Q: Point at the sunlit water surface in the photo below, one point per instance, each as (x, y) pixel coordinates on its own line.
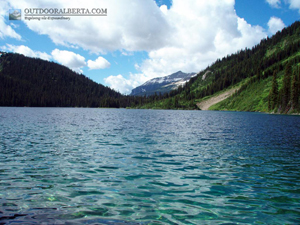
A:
(117, 166)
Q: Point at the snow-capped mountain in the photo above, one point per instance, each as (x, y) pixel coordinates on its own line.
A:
(162, 84)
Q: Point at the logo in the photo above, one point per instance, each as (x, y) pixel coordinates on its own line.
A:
(15, 14)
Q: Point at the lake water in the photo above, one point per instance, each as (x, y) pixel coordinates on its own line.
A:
(118, 166)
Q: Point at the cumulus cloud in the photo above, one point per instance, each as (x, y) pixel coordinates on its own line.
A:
(5, 29)
(294, 4)
(275, 24)
(99, 63)
(123, 85)
(200, 32)
(274, 3)
(22, 49)
(130, 24)
(70, 59)
(67, 58)
(188, 36)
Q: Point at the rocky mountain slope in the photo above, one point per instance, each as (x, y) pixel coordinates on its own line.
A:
(162, 84)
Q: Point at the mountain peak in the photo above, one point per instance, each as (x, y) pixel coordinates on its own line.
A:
(162, 84)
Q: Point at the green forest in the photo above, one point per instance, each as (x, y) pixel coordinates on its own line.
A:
(35, 82)
(267, 78)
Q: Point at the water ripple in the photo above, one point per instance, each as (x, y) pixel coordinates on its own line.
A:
(108, 166)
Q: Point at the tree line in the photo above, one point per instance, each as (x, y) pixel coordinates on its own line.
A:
(250, 65)
(34, 82)
(28, 81)
(286, 98)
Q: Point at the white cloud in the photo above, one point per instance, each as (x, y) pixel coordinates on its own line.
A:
(123, 85)
(189, 36)
(274, 3)
(275, 24)
(14, 25)
(70, 59)
(132, 25)
(202, 31)
(6, 30)
(294, 4)
(99, 63)
(21, 49)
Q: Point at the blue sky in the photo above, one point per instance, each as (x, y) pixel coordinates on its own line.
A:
(139, 40)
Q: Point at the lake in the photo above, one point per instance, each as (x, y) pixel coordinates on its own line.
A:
(118, 166)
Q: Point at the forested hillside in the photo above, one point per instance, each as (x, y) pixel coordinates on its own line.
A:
(266, 77)
(32, 82)
(276, 58)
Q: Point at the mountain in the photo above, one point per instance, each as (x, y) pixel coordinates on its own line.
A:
(26, 81)
(265, 78)
(15, 15)
(162, 84)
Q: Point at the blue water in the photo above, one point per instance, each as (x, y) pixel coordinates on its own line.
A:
(118, 166)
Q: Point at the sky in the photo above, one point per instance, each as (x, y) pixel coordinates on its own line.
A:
(142, 39)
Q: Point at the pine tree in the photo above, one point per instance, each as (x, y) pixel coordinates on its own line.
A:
(176, 103)
(258, 74)
(295, 91)
(286, 89)
(273, 96)
(169, 103)
(269, 99)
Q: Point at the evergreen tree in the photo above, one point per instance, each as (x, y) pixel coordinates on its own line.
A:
(295, 91)
(273, 96)
(269, 99)
(286, 89)
(258, 74)
(34, 82)
(176, 103)
(169, 103)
